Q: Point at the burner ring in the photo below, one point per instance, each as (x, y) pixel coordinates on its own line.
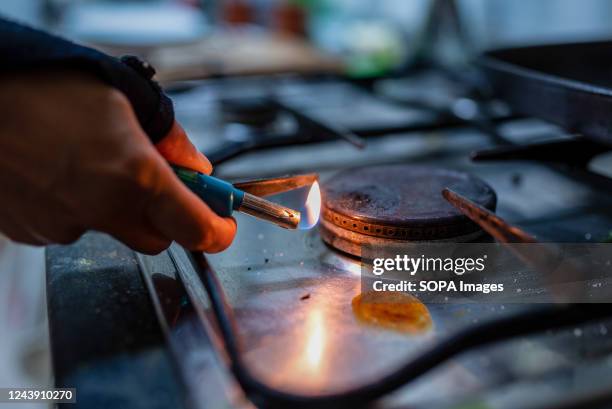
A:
(415, 233)
(350, 242)
(398, 203)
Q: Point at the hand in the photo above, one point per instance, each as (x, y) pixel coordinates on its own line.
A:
(177, 149)
(73, 157)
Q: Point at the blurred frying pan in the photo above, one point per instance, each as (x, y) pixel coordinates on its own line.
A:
(567, 84)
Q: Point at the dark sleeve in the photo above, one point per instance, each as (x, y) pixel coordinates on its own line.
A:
(22, 47)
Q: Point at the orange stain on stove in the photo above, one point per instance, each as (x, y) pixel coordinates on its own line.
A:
(392, 310)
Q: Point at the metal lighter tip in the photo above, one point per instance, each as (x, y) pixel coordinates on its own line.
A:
(272, 212)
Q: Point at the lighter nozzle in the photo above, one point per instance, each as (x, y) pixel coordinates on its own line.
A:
(272, 212)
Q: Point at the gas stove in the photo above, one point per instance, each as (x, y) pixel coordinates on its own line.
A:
(292, 291)
(536, 173)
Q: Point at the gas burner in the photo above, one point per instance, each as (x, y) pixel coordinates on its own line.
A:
(398, 203)
(255, 112)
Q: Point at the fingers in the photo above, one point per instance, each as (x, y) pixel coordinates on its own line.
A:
(144, 240)
(41, 234)
(18, 235)
(178, 213)
(14, 231)
(59, 228)
(63, 235)
(23, 221)
(177, 149)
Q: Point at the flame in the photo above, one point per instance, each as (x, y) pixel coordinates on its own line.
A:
(312, 208)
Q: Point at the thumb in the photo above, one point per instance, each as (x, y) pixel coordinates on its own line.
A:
(177, 149)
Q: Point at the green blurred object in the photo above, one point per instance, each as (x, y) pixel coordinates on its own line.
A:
(368, 37)
(374, 49)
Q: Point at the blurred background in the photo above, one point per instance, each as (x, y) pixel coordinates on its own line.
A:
(190, 39)
(367, 37)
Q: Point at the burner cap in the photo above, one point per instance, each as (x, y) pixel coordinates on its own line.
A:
(395, 203)
(257, 112)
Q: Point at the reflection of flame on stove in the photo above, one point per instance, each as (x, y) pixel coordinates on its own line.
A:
(315, 341)
(312, 208)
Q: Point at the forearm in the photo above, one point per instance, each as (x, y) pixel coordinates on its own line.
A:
(24, 48)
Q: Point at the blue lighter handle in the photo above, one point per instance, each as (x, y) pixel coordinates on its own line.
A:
(219, 195)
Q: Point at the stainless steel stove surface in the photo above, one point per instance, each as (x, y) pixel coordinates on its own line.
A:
(292, 294)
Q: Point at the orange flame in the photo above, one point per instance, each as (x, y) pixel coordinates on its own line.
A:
(312, 208)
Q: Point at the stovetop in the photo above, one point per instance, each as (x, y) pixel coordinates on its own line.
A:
(292, 294)
(568, 205)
